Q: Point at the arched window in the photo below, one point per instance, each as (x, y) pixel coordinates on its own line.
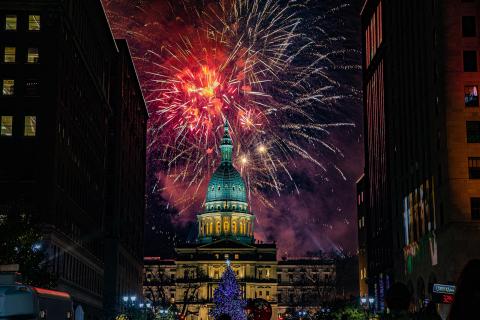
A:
(233, 188)
(234, 227)
(218, 187)
(217, 229)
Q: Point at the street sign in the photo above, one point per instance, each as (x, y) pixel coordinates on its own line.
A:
(443, 293)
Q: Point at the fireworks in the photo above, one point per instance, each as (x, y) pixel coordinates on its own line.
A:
(263, 66)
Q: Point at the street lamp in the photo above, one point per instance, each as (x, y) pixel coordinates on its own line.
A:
(367, 307)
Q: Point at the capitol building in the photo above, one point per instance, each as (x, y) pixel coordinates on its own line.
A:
(225, 232)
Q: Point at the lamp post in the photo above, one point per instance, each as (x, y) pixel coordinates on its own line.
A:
(367, 304)
(133, 309)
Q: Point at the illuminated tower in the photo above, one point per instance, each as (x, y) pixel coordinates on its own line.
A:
(226, 214)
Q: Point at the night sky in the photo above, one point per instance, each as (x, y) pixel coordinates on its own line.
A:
(318, 211)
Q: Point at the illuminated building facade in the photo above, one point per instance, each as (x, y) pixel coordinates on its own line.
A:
(305, 284)
(225, 232)
(420, 73)
(60, 144)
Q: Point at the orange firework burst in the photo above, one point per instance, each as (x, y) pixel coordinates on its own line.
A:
(248, 62)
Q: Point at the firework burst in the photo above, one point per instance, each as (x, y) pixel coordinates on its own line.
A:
(262, 65)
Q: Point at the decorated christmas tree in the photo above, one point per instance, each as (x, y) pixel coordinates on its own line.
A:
(228, 297)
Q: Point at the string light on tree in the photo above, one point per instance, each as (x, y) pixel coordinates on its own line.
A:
(228, 297)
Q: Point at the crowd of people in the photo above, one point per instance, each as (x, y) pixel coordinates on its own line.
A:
(464, 307)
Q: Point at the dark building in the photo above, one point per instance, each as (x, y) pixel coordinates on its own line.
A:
(362, 236)
(420, 73)
(66, 164)
(126, 183)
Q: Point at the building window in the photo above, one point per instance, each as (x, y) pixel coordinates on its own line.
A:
(32, 88)
(470, 61)
(475, 208)
(6, 126)
(11, 22)
(473, 131)
(30, 126)
(33, 22)
(8, 87)
(32, 55)
(469, 27)
(236, 256)
(9, 55)
(474, 167)
(471, 96)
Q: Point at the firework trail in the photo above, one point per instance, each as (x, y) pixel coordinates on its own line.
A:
(266, 67)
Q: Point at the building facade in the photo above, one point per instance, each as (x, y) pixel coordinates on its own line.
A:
(225, 232)
(305, 284)
(126, 183)
(58, 138)
(420, 73)
(362, 236)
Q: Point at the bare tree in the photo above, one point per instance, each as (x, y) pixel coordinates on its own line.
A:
(157, 287)
(192, 280)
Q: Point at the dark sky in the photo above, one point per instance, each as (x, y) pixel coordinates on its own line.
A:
(321, 214)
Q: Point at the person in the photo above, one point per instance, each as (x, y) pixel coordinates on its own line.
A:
(430, 313)
(467, 294)
(398, 299)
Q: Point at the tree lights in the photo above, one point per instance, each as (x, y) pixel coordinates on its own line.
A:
(228, 297)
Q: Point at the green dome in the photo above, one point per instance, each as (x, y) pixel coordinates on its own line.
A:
(226, 214)
(226, 184)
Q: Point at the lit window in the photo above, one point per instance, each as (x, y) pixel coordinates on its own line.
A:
(8, 87)
(473, 131)
(471, 96)
(32, 55)
(32, 88)
(33, 22)
(9, 55)
(236, 256)
(475, 208)
(469, 27)
(11, 22)
(30, 126)
(473, 167)
(6, 126)
(470, 61)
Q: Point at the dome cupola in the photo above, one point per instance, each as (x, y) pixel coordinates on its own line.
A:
(226, 213)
